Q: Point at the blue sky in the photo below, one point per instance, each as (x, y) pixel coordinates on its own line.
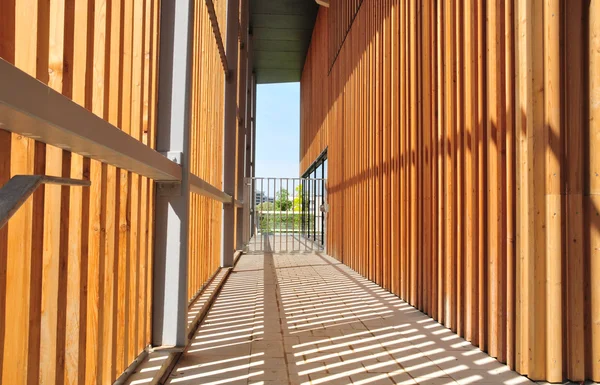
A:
(278, 130)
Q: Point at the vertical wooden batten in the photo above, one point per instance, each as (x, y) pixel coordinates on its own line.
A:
(491, 169)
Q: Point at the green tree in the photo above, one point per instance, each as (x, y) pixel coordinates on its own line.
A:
(298, 199)
(282, 200)
(265, 206)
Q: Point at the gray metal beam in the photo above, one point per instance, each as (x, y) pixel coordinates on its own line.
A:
(229, 130)
(248, 145)
(30, 108)
(253, 151)
(172, 204)
(201, 187)
(242, 107)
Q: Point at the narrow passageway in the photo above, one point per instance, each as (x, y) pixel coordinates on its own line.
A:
(308, 319)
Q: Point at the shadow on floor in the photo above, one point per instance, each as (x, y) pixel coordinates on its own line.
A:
(306, 319)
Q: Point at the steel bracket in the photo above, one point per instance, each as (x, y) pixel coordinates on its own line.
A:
(20, 187)
(174, 156)
(168, 189)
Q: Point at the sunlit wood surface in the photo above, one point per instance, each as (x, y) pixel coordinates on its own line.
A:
(462, 139)
(76, 265)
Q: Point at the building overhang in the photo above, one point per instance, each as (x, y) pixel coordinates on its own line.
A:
(281, 32)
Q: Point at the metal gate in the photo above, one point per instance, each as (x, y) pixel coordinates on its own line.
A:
(287, 215)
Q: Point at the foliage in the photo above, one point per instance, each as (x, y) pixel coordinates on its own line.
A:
(288, 222)
(298, 199)
(282, 201)
(265, 206)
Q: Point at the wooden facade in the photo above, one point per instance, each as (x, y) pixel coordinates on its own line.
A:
(208, 95)
(76, 264)
(462, 140)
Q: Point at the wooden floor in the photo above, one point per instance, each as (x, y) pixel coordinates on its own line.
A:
(307, 319)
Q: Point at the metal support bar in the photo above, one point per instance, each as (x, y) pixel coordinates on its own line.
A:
(169, 327)
(214, 22)
(229, 130)
(242, 107)
(201, 187)
(30, 108)
(253, 152)
(248, 145)
(20, 187)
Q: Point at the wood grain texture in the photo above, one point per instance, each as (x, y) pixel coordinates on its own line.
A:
(208, 81)
(480, 119)
(69, 263)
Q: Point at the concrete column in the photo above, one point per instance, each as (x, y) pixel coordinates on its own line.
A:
(229, 131)
(172, 200)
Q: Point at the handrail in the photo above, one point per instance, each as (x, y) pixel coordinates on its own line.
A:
(20, 187)
(30, 108)
(40, 113)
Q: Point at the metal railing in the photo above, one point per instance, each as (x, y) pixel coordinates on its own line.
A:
(287, 214)
(40, 113)
(30, 108)
(34, 110)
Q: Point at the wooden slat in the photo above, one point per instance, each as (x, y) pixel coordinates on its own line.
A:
(19, 239)
(123, 238)
(7, 41)
(575, 274)
(96, 239)
(553, 139)
(592, 197)
(470, 142)
(52, 219)
(75, 339)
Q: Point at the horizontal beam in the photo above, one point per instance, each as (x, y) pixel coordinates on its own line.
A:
(201, 187)
(30, 108)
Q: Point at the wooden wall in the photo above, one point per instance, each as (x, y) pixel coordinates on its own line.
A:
(314, 99)
(341, 19)
(75, 264)
(208, 96)
(462, 141)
